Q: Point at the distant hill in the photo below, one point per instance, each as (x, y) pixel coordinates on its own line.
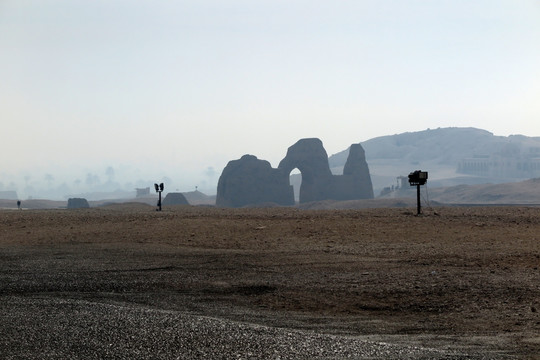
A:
(452, 156)
(522, 192)
(525, 192)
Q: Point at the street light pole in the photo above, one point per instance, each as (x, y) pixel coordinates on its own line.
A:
(418, 178)
(418, 206)
(159, 188)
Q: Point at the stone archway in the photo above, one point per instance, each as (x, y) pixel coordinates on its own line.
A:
(310, 158)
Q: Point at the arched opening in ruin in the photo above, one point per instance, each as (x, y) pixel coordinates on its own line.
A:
(295, 179)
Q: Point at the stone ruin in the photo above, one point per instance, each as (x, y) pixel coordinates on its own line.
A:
(250, 181)
(253, 182)
(77, 203)
(175, 198)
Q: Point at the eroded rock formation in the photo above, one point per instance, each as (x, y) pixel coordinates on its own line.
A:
(309, 156)
(250, 181)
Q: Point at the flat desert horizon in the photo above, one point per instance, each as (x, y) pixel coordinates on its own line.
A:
(124, 281)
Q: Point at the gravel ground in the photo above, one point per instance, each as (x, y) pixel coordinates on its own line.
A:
(125, 281)
(55, 328)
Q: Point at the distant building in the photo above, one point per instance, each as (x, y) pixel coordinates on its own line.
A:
(402, 182)
(143, 192)
(501, 167)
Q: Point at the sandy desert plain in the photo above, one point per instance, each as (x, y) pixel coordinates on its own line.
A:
(126, 282)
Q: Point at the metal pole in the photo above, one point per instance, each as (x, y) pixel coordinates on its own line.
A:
(418, 199)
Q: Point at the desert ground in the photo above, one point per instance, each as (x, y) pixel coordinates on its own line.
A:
(125, 281)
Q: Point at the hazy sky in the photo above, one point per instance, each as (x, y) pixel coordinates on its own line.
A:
(173, 88)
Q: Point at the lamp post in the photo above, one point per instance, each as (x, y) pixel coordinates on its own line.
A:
(159, 188)
(418, 178)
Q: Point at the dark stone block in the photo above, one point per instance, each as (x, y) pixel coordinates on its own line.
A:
(175, 199)
(77, 203)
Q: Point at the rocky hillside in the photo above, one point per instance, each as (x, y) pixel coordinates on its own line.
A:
(452, 156)
(522, 192)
